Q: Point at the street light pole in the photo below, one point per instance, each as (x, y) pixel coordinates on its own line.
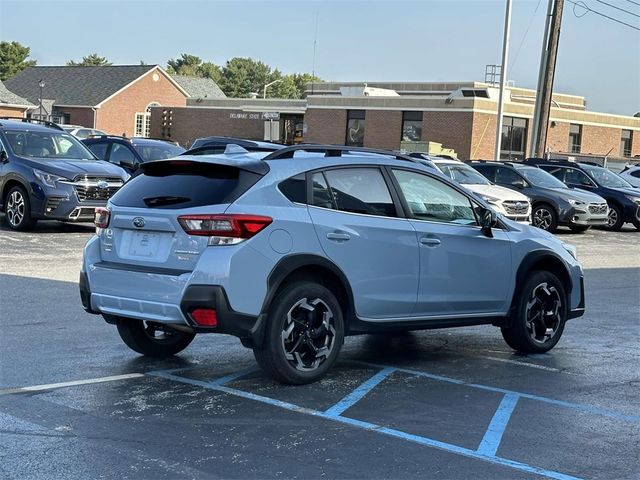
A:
(503, 80)
(41, 84)
(264, 90)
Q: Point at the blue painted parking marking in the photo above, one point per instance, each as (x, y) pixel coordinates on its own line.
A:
(359, 393)
(493, 436)
(575, 406)
(485, 452)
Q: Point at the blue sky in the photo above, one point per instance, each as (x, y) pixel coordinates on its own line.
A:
(375, 40)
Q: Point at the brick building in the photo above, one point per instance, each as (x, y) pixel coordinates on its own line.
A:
(12, 105)
(116, 98)
(461, 116)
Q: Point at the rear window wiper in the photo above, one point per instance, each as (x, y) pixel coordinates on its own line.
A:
(164, 200)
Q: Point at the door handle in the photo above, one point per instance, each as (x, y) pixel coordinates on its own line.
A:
(430, 241)
(338, 236)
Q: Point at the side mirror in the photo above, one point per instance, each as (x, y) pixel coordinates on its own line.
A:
(3, 157)
(128, 163)
(487, 221)
(520, 184)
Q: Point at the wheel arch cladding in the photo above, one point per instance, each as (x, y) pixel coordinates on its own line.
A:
(299, 267)
(12, 182)
(544, 260)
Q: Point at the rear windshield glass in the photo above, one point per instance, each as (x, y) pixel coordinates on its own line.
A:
(172, 185)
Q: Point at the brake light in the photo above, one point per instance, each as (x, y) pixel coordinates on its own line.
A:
(224, 229)
(102, 217)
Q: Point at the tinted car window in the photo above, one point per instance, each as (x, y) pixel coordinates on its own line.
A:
(506, 176)
(295, 188)
(99, 150)
(157, 152)
(606, 177)
(432, 200)
(83, 133)
(321, 194)
(635, 173)
(488, 171)
(576, 177)
(557, 172)
(120, 153)
(183, 186)
(360, 190)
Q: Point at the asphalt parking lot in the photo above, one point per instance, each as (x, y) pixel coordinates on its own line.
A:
(75, 402)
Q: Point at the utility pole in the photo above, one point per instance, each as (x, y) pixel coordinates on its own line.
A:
(503, 80)
(545, 79)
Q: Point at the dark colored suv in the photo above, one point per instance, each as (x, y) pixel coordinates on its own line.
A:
(553, 204)
(622, 197)
(129, 153)
(46, 173)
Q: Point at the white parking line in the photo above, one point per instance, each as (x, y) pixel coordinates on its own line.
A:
(72, 383)
(526, 364)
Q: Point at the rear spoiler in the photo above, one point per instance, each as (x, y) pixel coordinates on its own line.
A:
(247, 164)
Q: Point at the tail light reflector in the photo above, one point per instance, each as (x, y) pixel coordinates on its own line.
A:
(102, 217)
(205, 317)
(224, 229)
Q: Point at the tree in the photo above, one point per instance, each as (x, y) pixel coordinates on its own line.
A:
(91, 60)
(285, 89)
(193, 66)
(241, 76)
(13, 59)
(301, 80)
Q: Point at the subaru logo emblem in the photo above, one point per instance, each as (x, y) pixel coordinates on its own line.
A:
(138, 222)
(102, 184)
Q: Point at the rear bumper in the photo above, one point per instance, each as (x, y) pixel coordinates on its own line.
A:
(249, 328)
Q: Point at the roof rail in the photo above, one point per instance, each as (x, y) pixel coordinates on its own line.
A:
(46, 123)
(154, 138)
(336, 151)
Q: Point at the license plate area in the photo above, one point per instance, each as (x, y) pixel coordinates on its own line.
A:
(146, 245)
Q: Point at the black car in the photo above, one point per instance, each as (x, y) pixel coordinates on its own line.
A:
(216, 144)
(553, 204)
(622, 197)
(129, 153)
(46, 173)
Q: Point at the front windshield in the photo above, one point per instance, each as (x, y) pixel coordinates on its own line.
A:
(463, 174)
(49, 145)
(158, 152)
(539, 178)
(606, 178)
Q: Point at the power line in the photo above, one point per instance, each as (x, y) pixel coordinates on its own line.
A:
(515, 57)
(581, 4)
(618, 8)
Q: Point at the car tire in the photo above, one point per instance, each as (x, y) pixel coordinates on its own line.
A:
(615, 220)
(305, 331)
(17, 209)
(636, 223)
(579, 228)
(151, 339)
(544, 216)
(539, 316)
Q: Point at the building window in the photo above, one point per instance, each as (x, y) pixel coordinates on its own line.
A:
(514, 138)
(575, 138)
(355, 128)
(626, 140)
(411, 126)
(143, 121)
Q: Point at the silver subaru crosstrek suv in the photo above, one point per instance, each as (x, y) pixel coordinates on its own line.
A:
(294, 250)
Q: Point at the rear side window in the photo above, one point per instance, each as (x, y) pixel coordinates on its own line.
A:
(487, 171)
(295, 188)
(99, 150)
(172, 186)
(506, 176)
(360, 190)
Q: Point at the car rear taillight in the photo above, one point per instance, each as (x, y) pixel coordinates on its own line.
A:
(224, 229)
(102, 217)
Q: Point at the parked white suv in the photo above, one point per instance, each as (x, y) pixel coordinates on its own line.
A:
(511, 204)
(632, 175)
